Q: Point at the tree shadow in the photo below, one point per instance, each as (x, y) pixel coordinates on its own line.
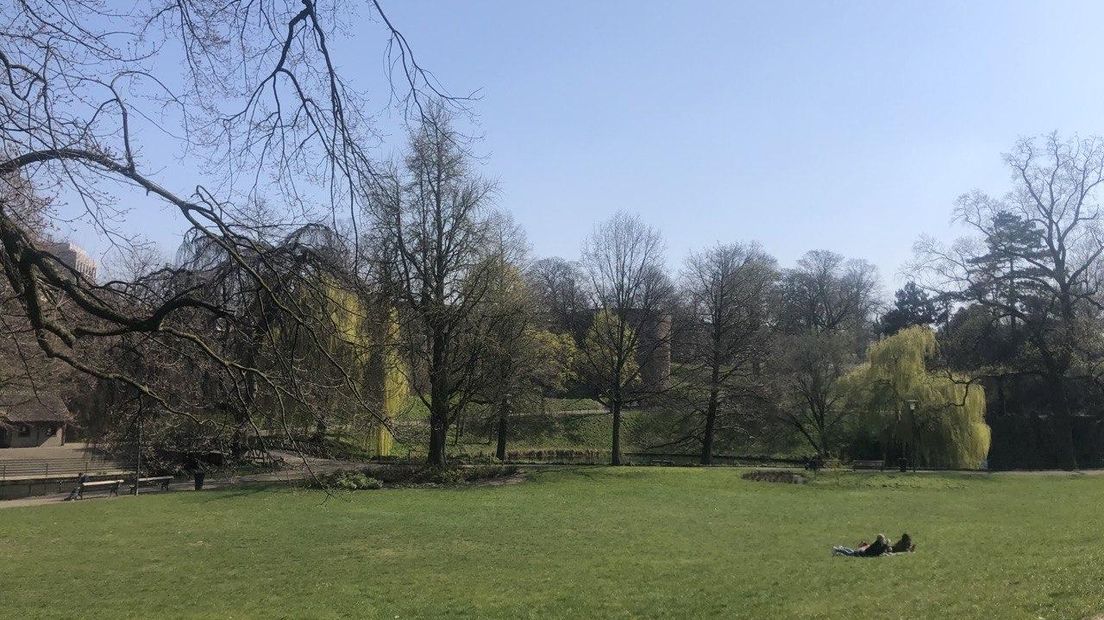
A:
(242, 490)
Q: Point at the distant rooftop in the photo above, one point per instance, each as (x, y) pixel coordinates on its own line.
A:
(33, 407)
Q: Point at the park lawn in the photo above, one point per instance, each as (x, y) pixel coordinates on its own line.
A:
(579, 542)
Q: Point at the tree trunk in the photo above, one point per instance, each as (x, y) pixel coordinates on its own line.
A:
(615, 455)
(438, 436)
(438, 399)
(458, 430)
(503, 413)
(710, 423)
(138, 451)
(821, 419)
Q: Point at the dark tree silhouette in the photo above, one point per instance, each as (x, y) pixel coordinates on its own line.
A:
(912, 306)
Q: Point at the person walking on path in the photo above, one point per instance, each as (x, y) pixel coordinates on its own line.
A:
(76, 492)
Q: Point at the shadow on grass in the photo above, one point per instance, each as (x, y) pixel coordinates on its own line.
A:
(540, 474)
(242, 490)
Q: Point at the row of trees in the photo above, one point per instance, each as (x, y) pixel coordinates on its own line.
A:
(317, 284)
(753, 346)
(326, 328)
(1016, 309)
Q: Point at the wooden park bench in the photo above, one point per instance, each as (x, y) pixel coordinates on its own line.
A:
(868, 465)
(161, 481)
(112, 487)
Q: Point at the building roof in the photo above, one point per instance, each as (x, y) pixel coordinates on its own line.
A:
(32, 407)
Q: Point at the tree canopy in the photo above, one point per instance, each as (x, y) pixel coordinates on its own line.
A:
(935, 418)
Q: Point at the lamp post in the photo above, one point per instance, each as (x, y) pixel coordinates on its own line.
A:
(912, 424)
(900, 439)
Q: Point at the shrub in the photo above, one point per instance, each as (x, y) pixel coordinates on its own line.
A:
(422, 474)
(347, 480)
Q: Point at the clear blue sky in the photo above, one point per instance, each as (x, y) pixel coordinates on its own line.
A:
(850, 126)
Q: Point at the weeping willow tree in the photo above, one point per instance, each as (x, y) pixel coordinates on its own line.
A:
(388, 383)
(314, 349)
(365, 343)
(357, 350)
(935, 419)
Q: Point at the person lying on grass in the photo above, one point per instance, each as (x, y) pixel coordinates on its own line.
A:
(880, 546)
(903, 545)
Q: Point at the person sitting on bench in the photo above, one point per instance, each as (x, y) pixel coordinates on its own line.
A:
(880, 546)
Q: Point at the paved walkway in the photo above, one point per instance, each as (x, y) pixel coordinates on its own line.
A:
(297, 469)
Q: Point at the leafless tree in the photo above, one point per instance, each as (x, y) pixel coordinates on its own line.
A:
(827, 308)
(23, 366)
(291, 372)
(623, 260)
(520, 358)
(826, 292)
(728, 289)
(561, 287)
(248, 90)
(434, 213)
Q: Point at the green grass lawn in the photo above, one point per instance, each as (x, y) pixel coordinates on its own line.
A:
(586, 542)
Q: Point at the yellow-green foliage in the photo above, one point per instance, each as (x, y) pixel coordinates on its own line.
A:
(366, 340)
(610, 354)
(945, 424)
(554, 355)
(395, 388)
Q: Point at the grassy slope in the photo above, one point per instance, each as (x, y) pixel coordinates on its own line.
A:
(640, 430)
(585, 542)
(570, 432)
(579, 432)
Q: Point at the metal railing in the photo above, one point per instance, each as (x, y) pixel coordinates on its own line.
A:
(23, 469)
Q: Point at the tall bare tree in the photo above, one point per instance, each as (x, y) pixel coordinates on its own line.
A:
(728, 289)
(624, 262)
(522, 359)
(434, 214)
(825, 322)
